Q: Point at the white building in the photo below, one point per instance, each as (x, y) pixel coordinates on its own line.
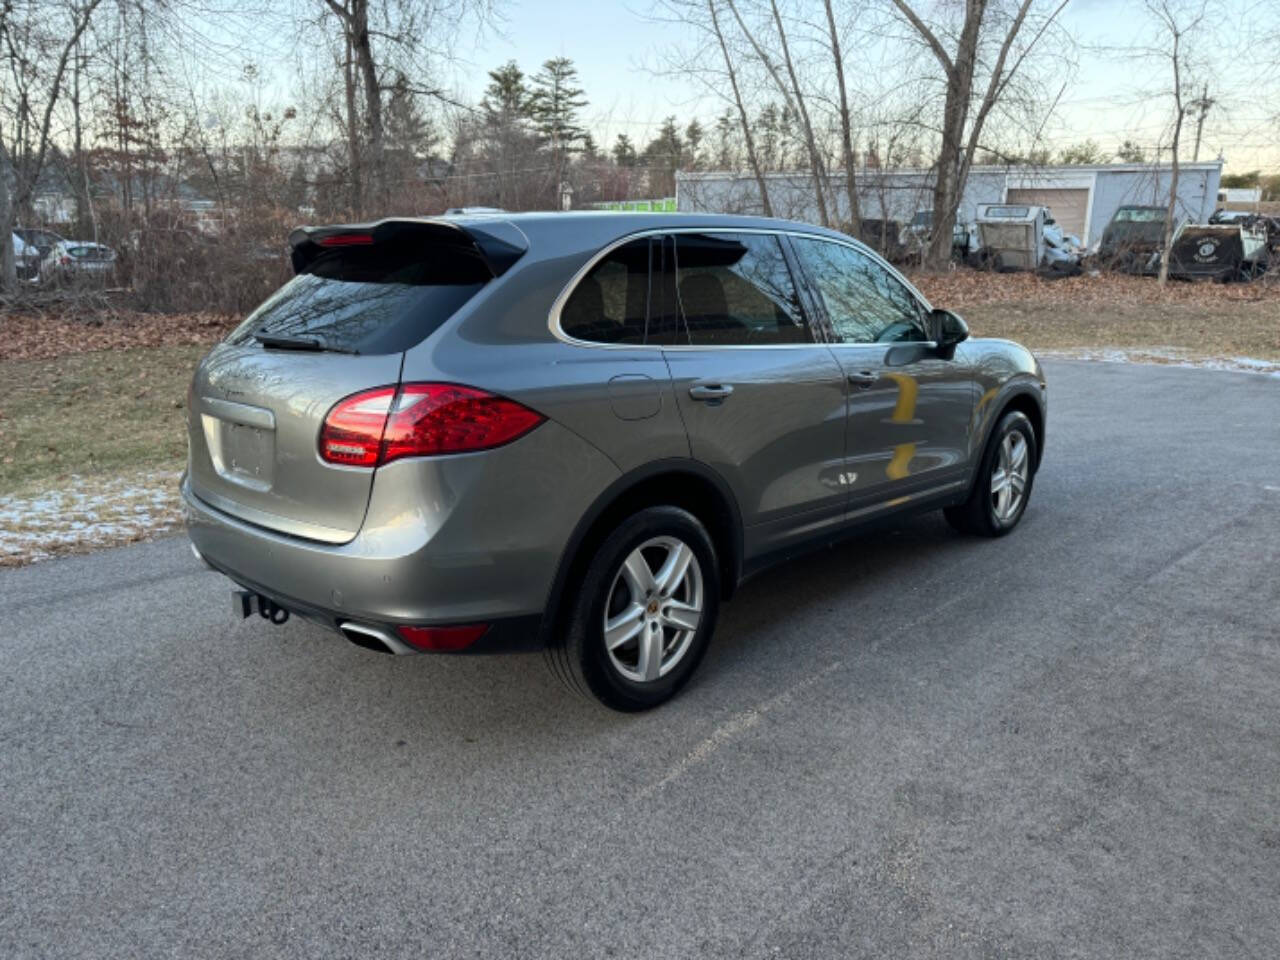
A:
(1239, 195)
(1082, 198)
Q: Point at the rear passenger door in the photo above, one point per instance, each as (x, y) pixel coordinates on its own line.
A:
(763, 403)
(909, 406)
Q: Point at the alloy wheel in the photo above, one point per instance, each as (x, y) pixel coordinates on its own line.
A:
(1009, 476)
(654, 607)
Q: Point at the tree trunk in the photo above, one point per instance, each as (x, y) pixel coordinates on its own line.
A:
(354, 166)
(846, 137)
(752, 158)
(372, 100)
(815, 158)
(1167, 247)
(948, 185)
(8, 219)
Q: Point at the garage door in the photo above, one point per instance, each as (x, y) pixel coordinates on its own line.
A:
(1069, 206)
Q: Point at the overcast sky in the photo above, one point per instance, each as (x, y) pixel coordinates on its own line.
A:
(616, 48)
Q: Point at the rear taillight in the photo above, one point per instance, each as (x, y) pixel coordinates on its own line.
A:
(420, 420)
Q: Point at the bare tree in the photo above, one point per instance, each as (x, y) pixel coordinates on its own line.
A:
(959, 67)
(39, 40)
(409, 34)
(846, 136)
(791, 95)
(1175, 21)
(752, 158)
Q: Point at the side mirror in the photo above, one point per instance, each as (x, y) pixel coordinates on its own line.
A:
(948, 330)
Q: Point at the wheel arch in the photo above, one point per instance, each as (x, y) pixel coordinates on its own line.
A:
(682, 483)
(1026, 402)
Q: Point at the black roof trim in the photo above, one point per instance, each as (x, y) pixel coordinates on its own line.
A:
(499, 243)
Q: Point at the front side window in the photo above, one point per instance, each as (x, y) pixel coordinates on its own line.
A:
(734, 289)
(610, 303)
(865, 303)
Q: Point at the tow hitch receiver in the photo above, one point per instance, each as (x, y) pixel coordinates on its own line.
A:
(245, 603)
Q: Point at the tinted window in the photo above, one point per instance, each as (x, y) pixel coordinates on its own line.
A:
(371, 299)
(734, 289)
(864, 302)
(1008, 213)
(609, 304)
(1140, 214)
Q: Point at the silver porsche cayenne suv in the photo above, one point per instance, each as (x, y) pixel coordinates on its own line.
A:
(580, 433)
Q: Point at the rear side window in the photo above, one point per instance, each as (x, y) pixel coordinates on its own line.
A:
(610, 303)
(734, 289)
(371, 299)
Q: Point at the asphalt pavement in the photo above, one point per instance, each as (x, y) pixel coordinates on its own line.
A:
(1065, 743)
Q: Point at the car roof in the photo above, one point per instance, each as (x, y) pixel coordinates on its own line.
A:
(582, 230)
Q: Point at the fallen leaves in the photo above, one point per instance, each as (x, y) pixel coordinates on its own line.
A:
(44, 336)
(966, 288)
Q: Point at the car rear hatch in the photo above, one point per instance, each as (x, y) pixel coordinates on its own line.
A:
(361, 297)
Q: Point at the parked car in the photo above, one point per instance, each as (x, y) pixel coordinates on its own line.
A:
(43, 240)
(581, 433)
(26, 258)
(75, 261)
(1020, 236)
(1134, 238)
(917, 234)
(1220, 251)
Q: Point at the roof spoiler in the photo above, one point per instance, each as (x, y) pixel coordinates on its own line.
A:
(499, 243)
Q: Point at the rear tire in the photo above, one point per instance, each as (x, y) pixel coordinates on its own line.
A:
(1003, 486)
(644, 611)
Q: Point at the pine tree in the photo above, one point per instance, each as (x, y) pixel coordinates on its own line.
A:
(693, 137)
(624, 151)
(664, 155)
(555, 103)
(510, 144)
(507, 98)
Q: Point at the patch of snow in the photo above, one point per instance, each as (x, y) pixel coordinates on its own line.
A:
(1166, 357)
(86, 512)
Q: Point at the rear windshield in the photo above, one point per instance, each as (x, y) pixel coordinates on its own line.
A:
(1140, 214)
(372, 299)
(1008, 213)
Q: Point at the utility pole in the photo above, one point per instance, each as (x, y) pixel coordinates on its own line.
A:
(1202, 104)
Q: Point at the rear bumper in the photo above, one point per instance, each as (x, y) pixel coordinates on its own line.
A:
(466, 539)
(522, 634)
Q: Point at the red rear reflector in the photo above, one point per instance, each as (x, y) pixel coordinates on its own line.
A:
(346, 240)
(420, 420)
(443, 638)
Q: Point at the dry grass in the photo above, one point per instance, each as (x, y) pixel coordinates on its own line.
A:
(1202, 319)
(106, 413)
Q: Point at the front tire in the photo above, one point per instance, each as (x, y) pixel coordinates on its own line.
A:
(644, 611)
(1003, 486)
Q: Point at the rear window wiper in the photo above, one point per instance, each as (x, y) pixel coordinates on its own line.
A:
(297, 343)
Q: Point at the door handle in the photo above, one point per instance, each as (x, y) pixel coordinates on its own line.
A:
(710, 391)
(863, 378)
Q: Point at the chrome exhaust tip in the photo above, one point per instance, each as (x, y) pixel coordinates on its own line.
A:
(374, 638)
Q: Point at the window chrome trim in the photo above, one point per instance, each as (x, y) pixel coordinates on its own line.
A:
(553, 318)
